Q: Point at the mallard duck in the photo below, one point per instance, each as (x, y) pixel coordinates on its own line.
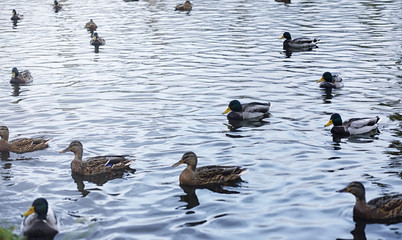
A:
(95, 165)
(206, 175)
(298, 42)
(187, 6)
(40, 221)
(91, 26)
(97, 41)
(56, 6)
(20, 77)
(381, 209)
(352, 126)
(15, 16)
(251, 110)
(331, 81)
(20, 145)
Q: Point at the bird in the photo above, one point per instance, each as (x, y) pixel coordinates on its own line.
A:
(251, 110)
(331, 81)
(352, 126)
(20, 77)
(187, 6)
(95, 165)
(382, 209)
(91, 26)
(212, 174)
(56, 6)
(40, 222)
(15, 16)
(97, 41)
(20, 145)
(298, 43)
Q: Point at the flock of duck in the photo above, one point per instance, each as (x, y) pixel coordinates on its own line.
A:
(40, 220)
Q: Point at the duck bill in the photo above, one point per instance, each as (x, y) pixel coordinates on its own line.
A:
(328, 123)
(65, 150)
(177, 164)
(13, 74)
(227, 110)
(282, 37)
(343, 190)
(29, 212)
(322, 79)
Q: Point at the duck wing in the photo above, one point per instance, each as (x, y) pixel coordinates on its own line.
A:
(391, 206)
(22, 145)
(102, 164)
(218, 174)
(256, 107)
(361, 125)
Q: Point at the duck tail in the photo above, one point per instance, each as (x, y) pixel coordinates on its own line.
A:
(242, 171)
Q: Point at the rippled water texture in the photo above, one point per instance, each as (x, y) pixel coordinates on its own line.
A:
(157, 89)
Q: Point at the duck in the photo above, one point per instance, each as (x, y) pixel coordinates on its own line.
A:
(91, 26)
(56, 6)
(95, 165)
(40, 222)
(253, 110)
(187, 6)
(20, 145)
(382, 209)
(97, 41)
(298, 42)
(331, 81)
(206, 175)
(20, 77)
(353, 126)
(15, 16)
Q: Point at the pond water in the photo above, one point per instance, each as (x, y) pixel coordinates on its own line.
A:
(158, 88)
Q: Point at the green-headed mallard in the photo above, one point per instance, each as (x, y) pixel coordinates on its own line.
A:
(20, 77)
(91, 26)
(381, 209)
(352, 126)
(206, 175)
(15, 16)
(56, 6)
(40, 221)
(301, 43)
(331, 81)
(20, 145)
(187, 6)
(97, 41)
(253, 110)
(95, 165)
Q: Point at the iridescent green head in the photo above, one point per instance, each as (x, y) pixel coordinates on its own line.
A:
(327, 76)
(286, 35)
(15, 72)
(235, 106)
(335, 119)
(40, 207)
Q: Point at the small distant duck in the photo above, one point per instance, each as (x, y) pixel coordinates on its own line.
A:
(382, 209)
(206, 175)
(331, 81)
(20, 145)
(91, 26)
(97, 41)
(40, 222)
(20, 77)
(352, 126)
(251, 110)
(187, 6)
(95, 165)
(56, 6)
(15, 16)
(298, 43)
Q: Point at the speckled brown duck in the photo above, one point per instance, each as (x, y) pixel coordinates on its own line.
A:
(186, 6)
(206, 175)
(91, 26)
(95, 165)
(382, 209)
(20, 145)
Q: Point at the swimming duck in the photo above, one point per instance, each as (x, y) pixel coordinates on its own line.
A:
(15, 16)
(56, 6)
(331, 81)
(20, 145)
(91, 26)
(206, 175)
(352, 126)
(20, 77)
(381, 209)
(95, 165)
(187, 6)
(97, 41)
(40, 221)
(298, 42)
(251, 110)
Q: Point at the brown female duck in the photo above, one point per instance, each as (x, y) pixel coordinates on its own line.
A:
(91, 26)
(20, 145)
(206, 175)
(20, 77)
(187, 6)
(382, 209)
(95, 165)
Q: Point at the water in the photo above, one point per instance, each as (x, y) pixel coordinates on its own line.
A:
(157, 89)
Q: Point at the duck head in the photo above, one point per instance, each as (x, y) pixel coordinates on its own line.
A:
(355, 188)
(40, 207)
(335, 119)
(286, 35)
(234, 105)
(188, 158)
(327, 76)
